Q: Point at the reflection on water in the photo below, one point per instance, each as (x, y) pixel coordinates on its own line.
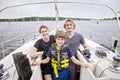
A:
(22, 31)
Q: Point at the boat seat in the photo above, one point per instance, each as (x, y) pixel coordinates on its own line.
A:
(22, 65)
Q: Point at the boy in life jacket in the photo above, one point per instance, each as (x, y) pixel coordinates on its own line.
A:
(59, 54)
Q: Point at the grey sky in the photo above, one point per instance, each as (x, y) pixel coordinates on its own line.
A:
(72, 10)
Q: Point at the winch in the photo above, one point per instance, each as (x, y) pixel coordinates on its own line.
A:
(4, 74)
(115, 66)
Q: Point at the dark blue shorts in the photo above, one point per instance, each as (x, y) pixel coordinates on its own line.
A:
(63, 74)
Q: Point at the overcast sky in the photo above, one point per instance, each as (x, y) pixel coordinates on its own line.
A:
(65, 10)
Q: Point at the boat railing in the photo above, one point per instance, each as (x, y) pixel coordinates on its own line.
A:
(10, 45)
(104, 40)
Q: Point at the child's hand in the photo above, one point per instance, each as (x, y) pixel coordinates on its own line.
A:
(86, 65)
(36, 63)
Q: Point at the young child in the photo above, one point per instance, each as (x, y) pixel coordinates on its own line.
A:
(59, 54)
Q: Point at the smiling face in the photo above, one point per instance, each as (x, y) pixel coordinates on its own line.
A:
(60, 38)
(44, 31)
(60, 41)
(69, 25)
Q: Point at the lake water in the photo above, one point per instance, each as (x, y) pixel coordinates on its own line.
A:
(20, 32)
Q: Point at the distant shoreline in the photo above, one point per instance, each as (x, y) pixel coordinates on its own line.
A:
(50, 19)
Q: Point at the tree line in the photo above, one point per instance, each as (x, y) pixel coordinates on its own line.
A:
(39, 19)
(48, 19)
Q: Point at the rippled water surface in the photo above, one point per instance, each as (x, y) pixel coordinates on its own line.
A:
(14, 34)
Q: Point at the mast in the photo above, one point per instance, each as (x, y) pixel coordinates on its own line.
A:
(56, 15)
